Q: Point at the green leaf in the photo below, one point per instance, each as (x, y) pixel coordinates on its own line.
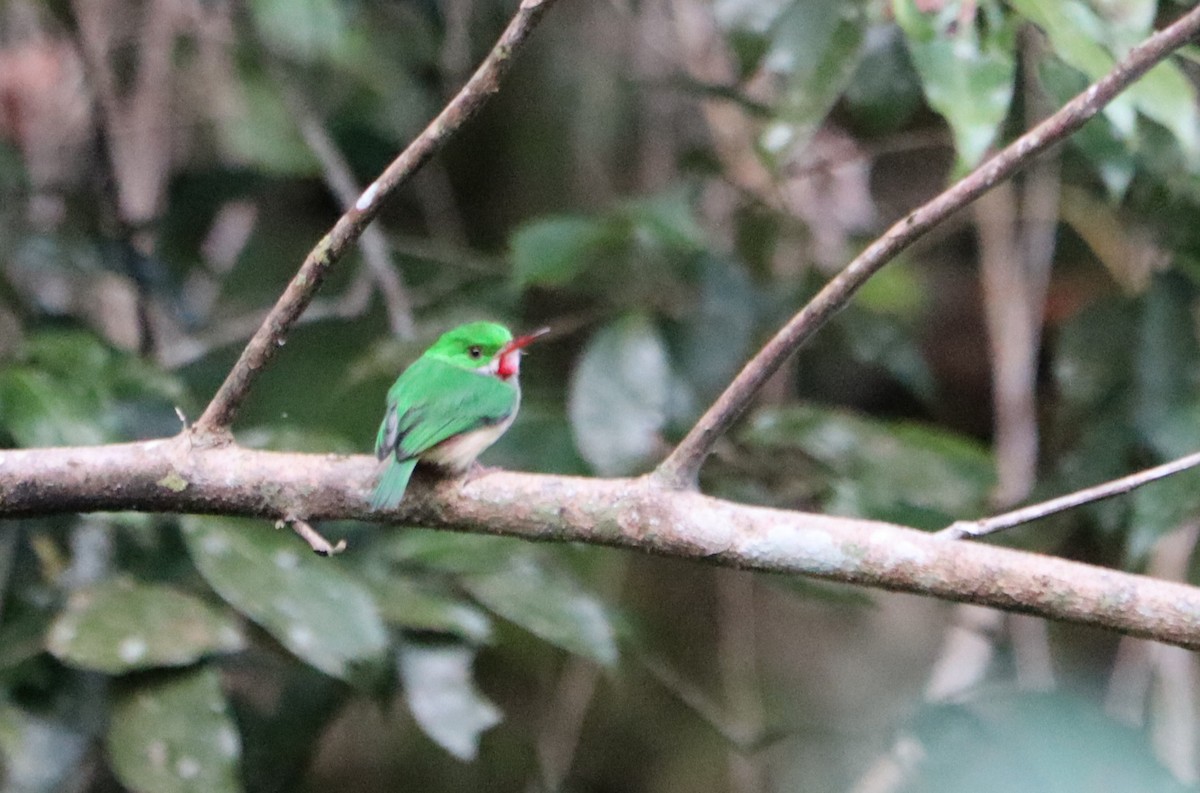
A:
(409, 603)
(1097, 139)
(37, 755)
(264, 134)
(1085, 41)
(516, 582)
(967, 76)
(1167, 357)
(713, 340)
(448, 551)
(38, 410)
(71, 389)
(443, 699)
(1100, 452)
(121, 625)
(815, 47)
(553, 250)
(879, 340)
(1094, 359)
(1165, 95)
(69, 353)
(1075, 34)
(1066, 744)
(173, 734)
(757, 16)
(303, 29)
(666, 221)
(885, 92)
(1127, 21)
(548, 604)
(620, 396)
(307, 602)
(899, 471)
(1160, 508)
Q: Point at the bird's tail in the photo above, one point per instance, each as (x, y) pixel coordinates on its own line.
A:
(392, 484)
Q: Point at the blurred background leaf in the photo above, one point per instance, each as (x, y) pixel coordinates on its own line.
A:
(173, 732)
(967, 73)
(309, 605)
(120, 626)
(437, 680)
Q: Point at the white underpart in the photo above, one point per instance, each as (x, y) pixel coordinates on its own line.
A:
(459, 452)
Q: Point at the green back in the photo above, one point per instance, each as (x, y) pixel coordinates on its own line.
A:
(440, 395)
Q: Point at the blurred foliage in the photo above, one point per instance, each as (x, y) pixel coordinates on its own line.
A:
(664, 184)
(1062, 743)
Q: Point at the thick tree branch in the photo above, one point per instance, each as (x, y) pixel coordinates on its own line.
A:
(214, 422)
(174, 475)
(681, 468)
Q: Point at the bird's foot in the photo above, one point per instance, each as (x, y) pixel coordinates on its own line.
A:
(477, 471)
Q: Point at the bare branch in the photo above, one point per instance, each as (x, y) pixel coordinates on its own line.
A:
(314, 538)
(219, 414)
(174, 475)
(681, 468)
(980, 528)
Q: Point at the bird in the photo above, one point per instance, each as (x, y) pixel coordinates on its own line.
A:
(449, 405)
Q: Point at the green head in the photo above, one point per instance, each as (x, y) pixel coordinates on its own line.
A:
(482, 345)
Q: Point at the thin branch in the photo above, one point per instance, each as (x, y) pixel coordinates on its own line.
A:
(177, 475)
(314, 538)
(682, 466)
(261, 349)
(980, 528)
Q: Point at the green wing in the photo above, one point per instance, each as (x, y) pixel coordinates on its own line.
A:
(433, 401)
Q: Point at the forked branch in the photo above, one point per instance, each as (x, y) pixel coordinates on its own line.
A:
(214, 423)
(682, 466)
(175, 476)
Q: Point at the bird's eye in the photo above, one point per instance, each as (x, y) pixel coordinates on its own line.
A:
(474, 351)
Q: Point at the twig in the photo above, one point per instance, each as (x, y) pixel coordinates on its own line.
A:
(340, 179)
(682, 466)
(314, 538)
(980, 528)
(271, 334)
